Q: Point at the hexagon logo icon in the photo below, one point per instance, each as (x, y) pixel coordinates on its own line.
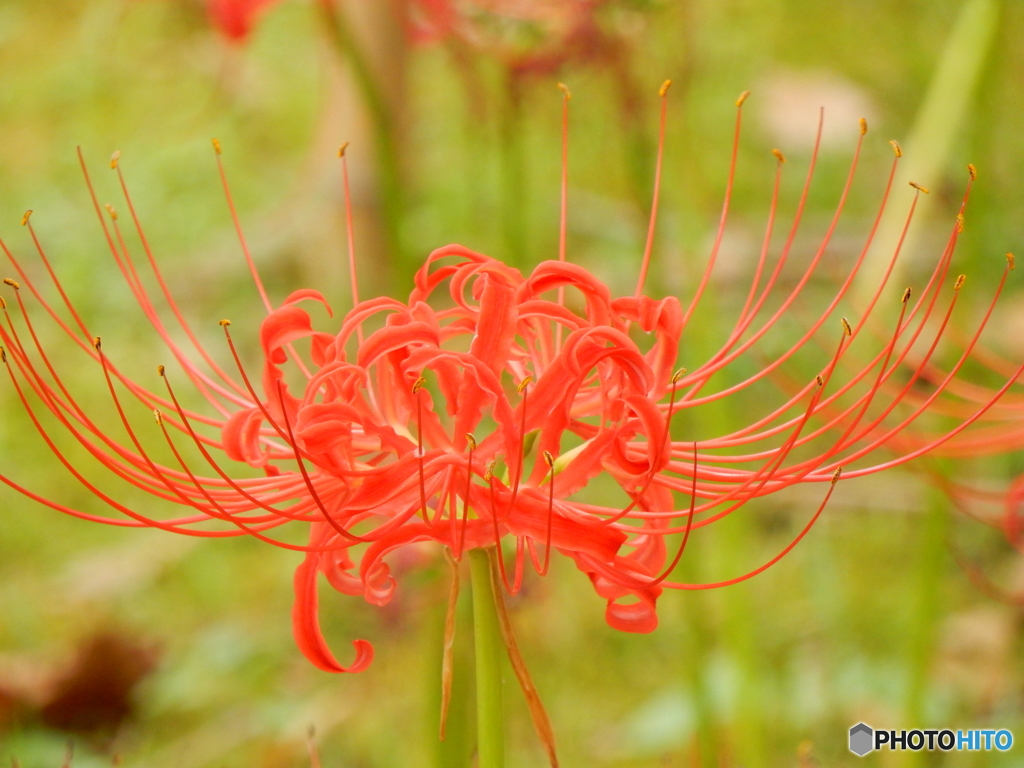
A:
(861, 739)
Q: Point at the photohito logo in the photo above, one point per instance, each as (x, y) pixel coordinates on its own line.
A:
(865, 739)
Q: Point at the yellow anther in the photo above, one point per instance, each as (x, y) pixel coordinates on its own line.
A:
(3, 355)
(342, 148)
(3, 303)
(973, 171)
(959, 223)
(524, 384)
(678, 375)
(863, 126)
(821, 381)
(158, 416)
(565, 91)
(664, 88)
(1009, 259)
(111, 210)
(114, 158)
(959, 282)
(13, 283)
(471, 440)
(549, 460)
(418, 384)
(836, 474)
(216, 145)
(906, 295)
(161, 370)
(846, 327)
(224, 323)
(489, 470)
(778, 155)
(918, 187)
(896, 147)
(25, 218)
(96, 343)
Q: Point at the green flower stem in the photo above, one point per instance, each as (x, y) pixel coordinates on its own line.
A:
(489, 648)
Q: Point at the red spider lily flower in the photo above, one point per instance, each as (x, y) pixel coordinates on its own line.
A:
(235, 18)
(480, 408)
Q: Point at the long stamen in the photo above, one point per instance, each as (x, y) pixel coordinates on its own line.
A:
(350, 236)
(522, 389)
(416, 387)
(713, 257)
(563, 199)
(238, 227)
(469, 487)
(649, 245)
(517, 579)
(689, 524)
(550, 461)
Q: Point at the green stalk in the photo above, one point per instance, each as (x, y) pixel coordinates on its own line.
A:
(489, 647)
(940, 118)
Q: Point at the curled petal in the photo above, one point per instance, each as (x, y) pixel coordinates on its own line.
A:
(306, 623)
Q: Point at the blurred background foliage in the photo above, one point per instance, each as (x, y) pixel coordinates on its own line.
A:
(873, 617)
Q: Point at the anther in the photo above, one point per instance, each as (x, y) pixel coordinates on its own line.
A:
(489, 470)
(1009, 259)
(161, 370)
(918, 187)
(3, 355)
(96, 343)
(846, 327)
(778, 155)
(216, 145)
(664, 88)
(342, 148)
(114, 158)
(863, 126)
(821, 381)
(568, 95)
(959, 223)
(896, 148)
(973, 171)
(224, 323)
(471, 440)
(418, 384)
(524, 384)
(3, 303)
(742, 98)
(111, 210)
(959, 282)
(13, 283)
(25, 218)
(549, 460)
(906, 295)
(158, 416)
(678, 375)
(836, 474)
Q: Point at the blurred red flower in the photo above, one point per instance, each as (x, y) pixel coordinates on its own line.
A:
(235, 18)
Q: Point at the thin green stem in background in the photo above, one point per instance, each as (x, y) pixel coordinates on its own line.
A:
(384, 125)
(489, 648)
(939, 120)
